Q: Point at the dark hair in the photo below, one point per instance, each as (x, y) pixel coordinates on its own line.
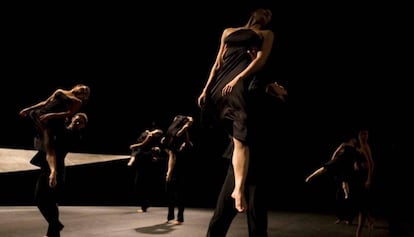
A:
(256, 17)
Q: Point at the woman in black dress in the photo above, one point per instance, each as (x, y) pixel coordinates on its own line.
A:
(243, 52)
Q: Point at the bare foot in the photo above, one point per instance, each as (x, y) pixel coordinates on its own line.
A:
(177, 223)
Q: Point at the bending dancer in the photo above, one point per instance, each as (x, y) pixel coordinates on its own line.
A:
(243, 52)
(177, 144)
(341, 167)
(143, 155)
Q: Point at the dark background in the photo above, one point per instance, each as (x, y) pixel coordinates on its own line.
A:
(342, 63)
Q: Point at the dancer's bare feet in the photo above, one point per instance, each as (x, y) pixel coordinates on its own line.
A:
(141, 211)
(177, 222)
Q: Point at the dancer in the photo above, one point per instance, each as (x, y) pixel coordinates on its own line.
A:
(47, 196)
(143, 155)
(178, 145)
(242, 54)
(49, 117)
(341, 167)
(364, 169)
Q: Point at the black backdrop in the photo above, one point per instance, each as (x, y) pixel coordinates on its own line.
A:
(340, 62)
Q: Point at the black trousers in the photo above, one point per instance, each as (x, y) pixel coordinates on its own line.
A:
(142, 187)
(344, 208)
(46, 199)
(174, 192)
(225, 210)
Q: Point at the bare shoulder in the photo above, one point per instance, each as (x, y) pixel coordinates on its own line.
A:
(267, 34)
(230, 30)
(59, 91)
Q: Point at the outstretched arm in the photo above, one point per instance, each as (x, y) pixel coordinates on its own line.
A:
(316, 173)
(26, 110)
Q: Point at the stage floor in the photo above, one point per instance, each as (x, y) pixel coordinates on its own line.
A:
(17, 160)
(124, 221)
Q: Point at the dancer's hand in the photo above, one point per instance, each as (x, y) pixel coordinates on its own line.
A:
(168, 177)
(240, 201)
(229, 87)
(24, 112)
(201, 99)
(52, 180)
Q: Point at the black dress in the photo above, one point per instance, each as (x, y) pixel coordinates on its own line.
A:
(231, 110)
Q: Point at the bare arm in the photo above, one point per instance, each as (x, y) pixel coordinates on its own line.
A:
(171, 164)
(147, 138)
(186, 125)
(316, 173)
(73, 109)
(370, 164)
(214, 68)
(51, 161)
(337, 150)
(26, 110)
(345, 188)
(262, 55)
(135, 145)
(256, 64)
